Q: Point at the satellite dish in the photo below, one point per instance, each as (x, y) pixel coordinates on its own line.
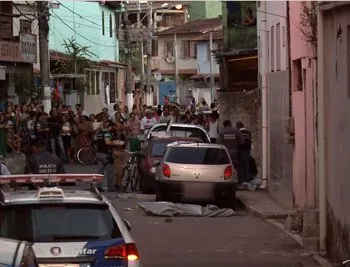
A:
(158, 76)
(158, 18)
(170, 60)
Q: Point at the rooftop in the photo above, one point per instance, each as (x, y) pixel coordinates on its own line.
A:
(202, 26)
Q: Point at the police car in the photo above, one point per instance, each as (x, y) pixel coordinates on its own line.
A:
(14, 253)
(67, 227)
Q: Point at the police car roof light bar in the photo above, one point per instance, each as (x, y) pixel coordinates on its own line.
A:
(53, 178)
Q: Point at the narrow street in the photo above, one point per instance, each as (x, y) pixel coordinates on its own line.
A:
(242, 240)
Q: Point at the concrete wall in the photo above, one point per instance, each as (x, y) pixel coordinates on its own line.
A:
(244, 107)
(203, 60)
(204, 9)
(337, 46)
(83, 21)
(303, 111)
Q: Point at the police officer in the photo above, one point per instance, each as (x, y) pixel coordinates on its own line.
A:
(104, 156)
(244, 174)
(231, 138)
(41, 161)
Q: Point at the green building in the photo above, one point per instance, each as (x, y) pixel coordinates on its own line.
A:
(204, 9)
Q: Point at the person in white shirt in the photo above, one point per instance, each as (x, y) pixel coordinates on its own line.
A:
(148, 121)
(214, 126)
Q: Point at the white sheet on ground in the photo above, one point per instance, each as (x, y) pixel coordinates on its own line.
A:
(169, 209)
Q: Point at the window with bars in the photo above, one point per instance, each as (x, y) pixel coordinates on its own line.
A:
(25, 26)
(93, 82)
(154, 48)
(110, 79)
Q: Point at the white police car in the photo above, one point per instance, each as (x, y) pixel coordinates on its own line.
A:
(14, 253)
(74, 228)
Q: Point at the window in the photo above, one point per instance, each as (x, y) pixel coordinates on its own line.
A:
(112, 87)
(103, 23)
(197, 155)
(278, 47)
(169, 49)
(110, 26)
(272, 51)
(158, 149)
(53, 223)
(184, 132)
(154, 48)
(93, 82)
(189, 49)
(25, 26)
(297, 75)
(283, 37)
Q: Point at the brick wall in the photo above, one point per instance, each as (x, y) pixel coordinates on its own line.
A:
(244, 107)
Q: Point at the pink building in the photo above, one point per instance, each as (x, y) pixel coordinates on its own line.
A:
(303, 85)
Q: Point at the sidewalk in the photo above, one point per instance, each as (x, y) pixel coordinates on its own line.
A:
(262, 205)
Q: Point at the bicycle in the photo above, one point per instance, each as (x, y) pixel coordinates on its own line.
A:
(87, 155)
(130, 172)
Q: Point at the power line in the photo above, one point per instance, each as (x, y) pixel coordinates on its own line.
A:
(80, 16)
(82, 36)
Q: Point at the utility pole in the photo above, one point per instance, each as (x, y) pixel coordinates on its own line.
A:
(43, 21)
(142, 67)
(149, 55)
(212, 78)
(127, 50)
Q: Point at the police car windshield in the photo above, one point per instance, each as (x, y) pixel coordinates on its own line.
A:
(58, 223)
(197, 155)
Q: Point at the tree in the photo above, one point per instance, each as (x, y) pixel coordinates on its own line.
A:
(76, 61)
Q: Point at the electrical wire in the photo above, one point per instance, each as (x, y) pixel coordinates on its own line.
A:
(80, 16)
(82, 36)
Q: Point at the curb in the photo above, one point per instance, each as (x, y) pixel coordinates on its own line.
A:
(257, 213)
(271, 219)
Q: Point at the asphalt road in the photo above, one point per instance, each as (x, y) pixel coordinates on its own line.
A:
(242, 240)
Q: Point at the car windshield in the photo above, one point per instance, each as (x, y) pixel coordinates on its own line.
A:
(159, 148)
(58, 223)
(197, 155)
(176, 131)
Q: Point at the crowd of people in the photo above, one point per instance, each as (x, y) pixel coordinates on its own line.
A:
(64, 131)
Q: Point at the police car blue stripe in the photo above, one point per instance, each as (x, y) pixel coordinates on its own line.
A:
(98, 248)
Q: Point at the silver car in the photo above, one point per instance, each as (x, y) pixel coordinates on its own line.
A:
(67, 227)
(193, 171)
(14, 253)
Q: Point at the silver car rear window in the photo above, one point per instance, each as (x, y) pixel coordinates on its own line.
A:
(197, 155)
(58, 222)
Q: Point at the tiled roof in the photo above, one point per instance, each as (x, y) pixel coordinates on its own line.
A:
(217, 35)
(195, 26)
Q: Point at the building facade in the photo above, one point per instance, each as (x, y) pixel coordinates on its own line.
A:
(204, 9)
(92, 25)
(18, 45)
(238, 96)
(333, 40)
(184, 58)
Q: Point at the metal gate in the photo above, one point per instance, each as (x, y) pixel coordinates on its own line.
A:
(281, 152)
